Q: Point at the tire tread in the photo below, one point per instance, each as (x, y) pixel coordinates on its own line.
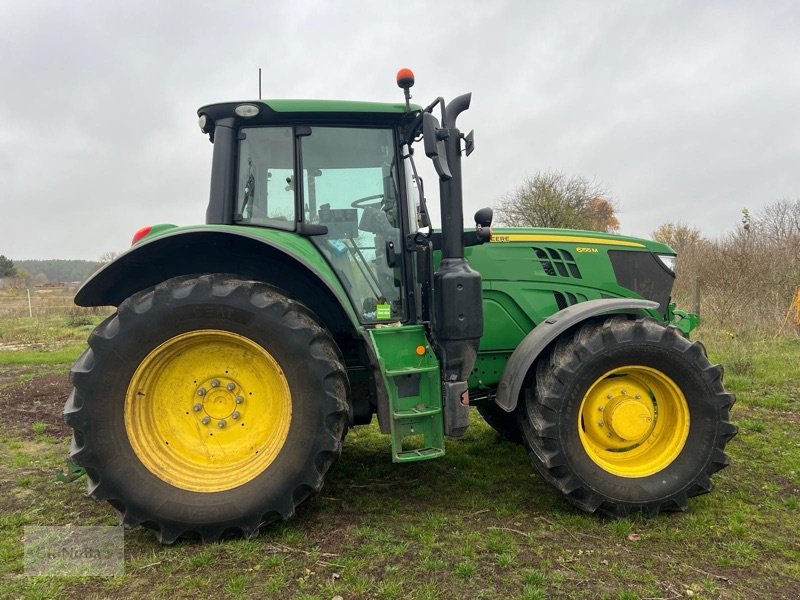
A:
(538, 411)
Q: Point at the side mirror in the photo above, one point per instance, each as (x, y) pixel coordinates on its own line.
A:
(435, 148)
(469, 142)
(483, 218)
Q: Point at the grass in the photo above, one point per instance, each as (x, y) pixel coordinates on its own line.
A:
(478, 523)
(50, 340)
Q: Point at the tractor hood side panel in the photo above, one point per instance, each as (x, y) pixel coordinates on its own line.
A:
(530, 274)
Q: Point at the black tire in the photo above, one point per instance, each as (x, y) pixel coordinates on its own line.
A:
(550, 414)
(305, 355)
(504, 423)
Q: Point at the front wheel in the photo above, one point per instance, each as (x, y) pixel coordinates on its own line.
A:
(206, 406)
(627, 415)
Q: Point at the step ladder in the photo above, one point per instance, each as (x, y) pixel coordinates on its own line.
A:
(410, 374)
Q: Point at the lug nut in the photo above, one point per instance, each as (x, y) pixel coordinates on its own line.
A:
(201, 392)
(206, 420)
(235, 415)
(599, 423)
(197, 407)
(608, 434)
(221, 423)
(623, 391)
(239, 399)
(638, 396)
(609, 396)
(600, 408)
(214, 382)
(231, 386)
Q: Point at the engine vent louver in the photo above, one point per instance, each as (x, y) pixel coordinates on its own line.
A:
(557, 263)
(565, 299)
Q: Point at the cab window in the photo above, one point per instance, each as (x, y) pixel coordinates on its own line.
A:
(265, 192)
(350, 186)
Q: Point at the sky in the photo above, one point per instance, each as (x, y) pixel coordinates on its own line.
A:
(684, 111)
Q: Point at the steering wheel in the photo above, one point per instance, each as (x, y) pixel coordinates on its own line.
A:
(377, 200)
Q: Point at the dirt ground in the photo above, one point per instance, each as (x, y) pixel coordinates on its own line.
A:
(40, 399)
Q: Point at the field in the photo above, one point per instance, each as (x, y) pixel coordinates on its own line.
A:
(476, 524)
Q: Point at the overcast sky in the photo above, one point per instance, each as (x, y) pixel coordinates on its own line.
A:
(685, 111)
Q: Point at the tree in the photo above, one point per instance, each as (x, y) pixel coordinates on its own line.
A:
(780, 221)
(600, 213)
(551, 199)
(679, 236)
(22, 278)
(7, 268)
(109, 256)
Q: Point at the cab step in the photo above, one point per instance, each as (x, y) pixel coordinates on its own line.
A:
(411, 376)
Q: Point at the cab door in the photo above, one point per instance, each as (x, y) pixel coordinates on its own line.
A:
(350, 185)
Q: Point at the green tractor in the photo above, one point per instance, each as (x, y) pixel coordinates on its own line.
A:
(217, 398)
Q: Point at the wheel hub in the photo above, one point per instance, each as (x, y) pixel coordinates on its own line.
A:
(629, 419)
(220, 398)
(633, 421)
(208, 410)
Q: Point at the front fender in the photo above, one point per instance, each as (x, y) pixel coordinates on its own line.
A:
(541, 336)
(283, 259)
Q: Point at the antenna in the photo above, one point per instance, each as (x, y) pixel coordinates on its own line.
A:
(259, 83)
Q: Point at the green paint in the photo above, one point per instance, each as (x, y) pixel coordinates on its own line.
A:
(337, 106)
(682, 319)
(518, 293)
(414, 389)
(296, 246)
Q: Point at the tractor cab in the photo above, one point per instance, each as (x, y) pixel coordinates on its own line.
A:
(341, 174)
(332, 172)
(344, 190)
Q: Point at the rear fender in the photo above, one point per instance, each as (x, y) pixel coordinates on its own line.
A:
(541, 336)
(290, 264)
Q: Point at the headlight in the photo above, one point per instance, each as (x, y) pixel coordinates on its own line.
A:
(246, 110)
(669, 261)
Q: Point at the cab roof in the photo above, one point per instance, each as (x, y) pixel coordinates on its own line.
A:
(305, 110)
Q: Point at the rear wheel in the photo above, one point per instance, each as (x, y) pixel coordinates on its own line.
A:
(627, 415)
(208, 406)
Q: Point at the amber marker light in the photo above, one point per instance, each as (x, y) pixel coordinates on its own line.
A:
(405, 78)
(420, 350)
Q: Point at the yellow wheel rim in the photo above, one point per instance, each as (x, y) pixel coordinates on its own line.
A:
(208, 411)
(633, 421)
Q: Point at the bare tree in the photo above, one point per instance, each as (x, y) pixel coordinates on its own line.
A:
(780, 221)
(679, 236)
(551, 199)
(749, 276)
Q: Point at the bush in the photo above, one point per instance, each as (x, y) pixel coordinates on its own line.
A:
(749, 278)
(80, 317)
